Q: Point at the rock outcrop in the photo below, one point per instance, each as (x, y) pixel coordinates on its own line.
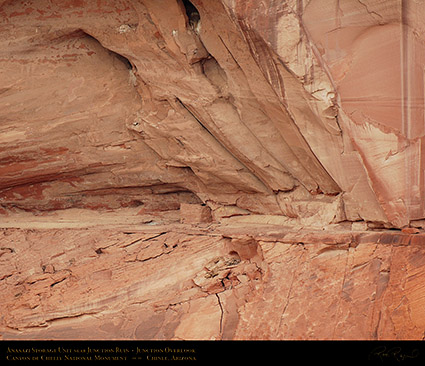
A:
(221, 282)
(259, 166)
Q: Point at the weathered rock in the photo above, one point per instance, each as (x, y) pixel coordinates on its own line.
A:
(242, 102)
(180, 282)
(294, 129)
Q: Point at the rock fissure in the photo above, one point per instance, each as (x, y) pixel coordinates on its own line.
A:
(289, 294)
(221, 315)
(342, 291)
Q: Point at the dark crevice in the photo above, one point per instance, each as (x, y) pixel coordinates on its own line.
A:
(57, 282)
(124, 60)
(193, 15)
(221, 314)
(230, 53)
(191, 113)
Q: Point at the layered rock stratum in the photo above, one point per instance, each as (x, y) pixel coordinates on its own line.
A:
(212, 169)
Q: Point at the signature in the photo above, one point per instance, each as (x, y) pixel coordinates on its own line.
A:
(395, 353)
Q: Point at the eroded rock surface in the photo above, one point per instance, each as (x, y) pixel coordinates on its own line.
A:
(268, 107)
(224, 282)
(171, 164)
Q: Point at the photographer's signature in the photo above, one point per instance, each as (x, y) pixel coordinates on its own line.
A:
(394, 353)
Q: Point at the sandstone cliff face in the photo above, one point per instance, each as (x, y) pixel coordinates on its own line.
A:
(182, 282)
(205, 121)
(279, 108)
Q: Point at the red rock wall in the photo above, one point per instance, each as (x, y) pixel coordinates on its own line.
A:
(260, 99)
(233, 115)
(221, 283)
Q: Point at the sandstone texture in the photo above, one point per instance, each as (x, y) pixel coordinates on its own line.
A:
(212, 169)
(181, 281)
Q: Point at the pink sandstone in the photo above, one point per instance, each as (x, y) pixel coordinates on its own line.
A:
(212, 169)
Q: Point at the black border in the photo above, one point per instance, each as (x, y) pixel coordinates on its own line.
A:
(213, 352)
